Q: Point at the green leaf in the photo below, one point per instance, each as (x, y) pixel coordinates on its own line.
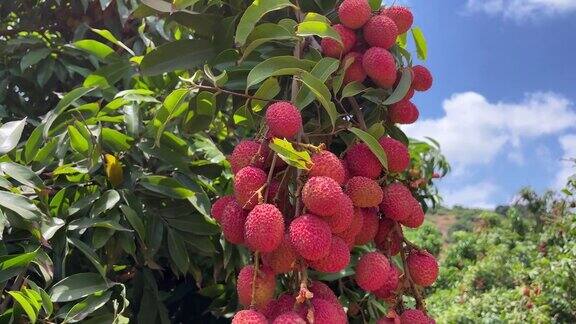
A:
(402, 40)
(420, 42)
(95, 48)
(159, 5)
(373, 144)
(108, 75)
(108, 35)
(317, 28)
(20, 205)
(33, 144)
(10, 134)
(170, 109)
(25, 304)
(275, 66)
(166, 186)
(34, 57)
(402, 88)
(200, 199)
(78, 142)
(201, 112)
(397, 134)
(253, 14)
(322, 70)
(132, 119)
(268, 90)
(115, 140)
(375, 4)
(107, 201)
(322, 93)
(90, 254)
(377, 130)
(287, 152)
(18, 262)
(135, 221)
(265, 33)
(22, 174)
(82, 203)
(352, 89)
(177, 55)
(77, 286)
(98, 223)
(81, 310)
(64, 103)
(178, 251)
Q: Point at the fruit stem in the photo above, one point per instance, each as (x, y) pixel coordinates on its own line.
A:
(270, 174)
(254, 277)
(415, 291)
(358, 113)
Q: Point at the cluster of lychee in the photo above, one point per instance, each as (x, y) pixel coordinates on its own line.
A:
(367, 38)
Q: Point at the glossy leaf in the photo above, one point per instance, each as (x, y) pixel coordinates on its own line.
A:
(287, 152)
(275, 66)
(10, 133)
(177, 55)
(77, 286)
(420, 42)
(253, 14)
(373, 144)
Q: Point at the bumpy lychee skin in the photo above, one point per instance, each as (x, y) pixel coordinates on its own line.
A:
(264, 229)
(336, 260)
(415, 316)
(265, 286)
(319, 195)
(423, 268)
(397, 154)
(401, 16)
(322, 291)
(380, 66)
(310, 236)
(355, 71)
(249, 317)
(328, 313)
(372, 271)
(387, 239)
(283, 119)
(326, 164)
(332, 48)
(422, 78)
(247, 153)
(342, 219)
(233, 220)
(416, 218)
(364, 192)
(380, 31)
(289, 318)
(362, 162)
(354, 13)
(247, 182)
(218, 207)
(369, 227)
(403, 112)
(349, 235)
(284, 304)
(390, 285)
(397, 202)
(283, 258)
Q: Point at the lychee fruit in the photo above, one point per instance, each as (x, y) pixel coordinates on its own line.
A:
(354, 13)
(341, 220)
(331, 47)
(327, 164)
(248, 153)
(416, 218)
(380, 66)
(322, 291)
(328, 313)
(387, 239)
(364, 192)
(355, 71)
(233, 220)
(380, 31)
(289, 318)
(282, 259)
(218, 207)
(247, 183)
(264, 229)
(249, 317)
(397, 202)
(319, 195)
(423, 268)
(397, 154)
(310, 237)
(349, 235)
(390, 285)
(422, 78)
(362, 162)
(403, 112)
(401, 16)
(369, 228)
(284, 304)
(283, 119)
(415, 316)
(372, 271)
(336, 260)
(265, 286)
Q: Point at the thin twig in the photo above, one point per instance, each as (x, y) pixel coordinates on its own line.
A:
(415, 291)
(358, 113)
(254, 277)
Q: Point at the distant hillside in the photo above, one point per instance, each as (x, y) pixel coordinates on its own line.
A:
(449, 220)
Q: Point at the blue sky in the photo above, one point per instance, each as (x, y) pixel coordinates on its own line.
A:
(503, 104)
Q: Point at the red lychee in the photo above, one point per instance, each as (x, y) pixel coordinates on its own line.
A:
(218, 207)
(247, 183)
(415, 316)
(289, 318)
(328, 313)
(369, 228)
(264, 228)
(403, 112)
(372, 271)
(336, 260)
(390, 285)
(387, 238)
(364, 192)
(284, 304)
(401, 16)
(310, 237)
(249, 317)
(423, 268)
(265, 286)
(354, 13)
(380, 31)
(380, 66)
(248, 153)
(233, 220)
(319, 195)
(326, 164)
(416, 217)
(332, 48)
(397, 203)
(397, 154)
(322, 291)
(355, 71)
(342, 219)
(283, 119)
(282, 259)
(362, 162)
(422, 78)
(349, 235)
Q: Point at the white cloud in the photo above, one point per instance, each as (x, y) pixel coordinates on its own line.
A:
(474, 130)
(567, 167)
(520, 9)
(478, 195)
